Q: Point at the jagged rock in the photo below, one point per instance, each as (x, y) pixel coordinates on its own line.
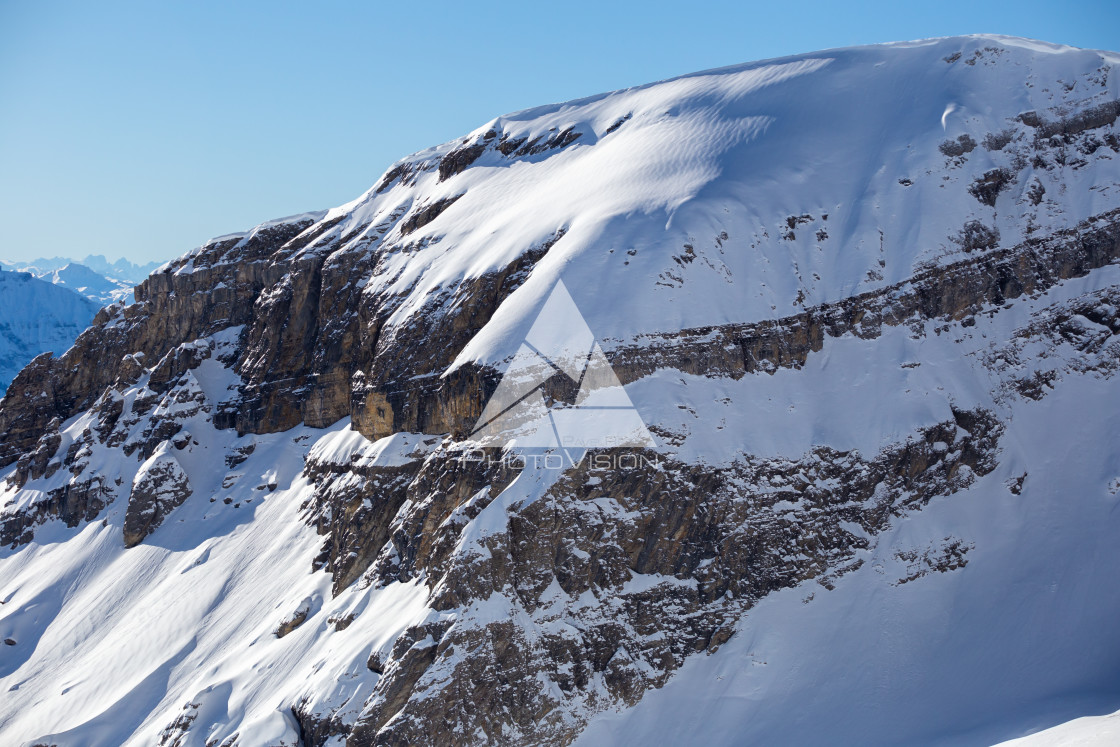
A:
(176, 362)
(458, 160)
(963, 145)
(159, 488)
(716, 543)
(425, 214)
(175, 733)
(80, 500)
(987, 188)
(1094, 117)
(294, 620)
(40, 462)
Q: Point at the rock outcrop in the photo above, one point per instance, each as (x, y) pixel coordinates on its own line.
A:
(160, 486)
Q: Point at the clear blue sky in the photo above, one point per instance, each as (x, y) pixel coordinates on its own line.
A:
(142, 129)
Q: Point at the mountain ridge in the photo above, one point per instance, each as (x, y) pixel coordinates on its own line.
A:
(851, 293)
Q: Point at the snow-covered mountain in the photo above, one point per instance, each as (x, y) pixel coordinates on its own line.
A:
(36, 317)
(865, 301)
(80, 279)
(90, 284)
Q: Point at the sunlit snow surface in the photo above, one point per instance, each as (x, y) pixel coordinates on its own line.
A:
(111, 644)
(1081, 732)
(190, 614)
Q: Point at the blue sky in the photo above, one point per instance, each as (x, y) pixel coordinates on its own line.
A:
(142, 129)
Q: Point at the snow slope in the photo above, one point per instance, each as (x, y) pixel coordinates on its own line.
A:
(192, 614)
(741, 151)
(1089, 730)
(741, 195)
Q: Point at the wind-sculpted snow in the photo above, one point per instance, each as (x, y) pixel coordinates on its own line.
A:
(863, 305)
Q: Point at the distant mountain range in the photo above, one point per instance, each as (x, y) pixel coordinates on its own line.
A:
(46, 303)
(122, 269)
(94, 277)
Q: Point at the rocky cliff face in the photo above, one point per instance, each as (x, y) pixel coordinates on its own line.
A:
(827, 329)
